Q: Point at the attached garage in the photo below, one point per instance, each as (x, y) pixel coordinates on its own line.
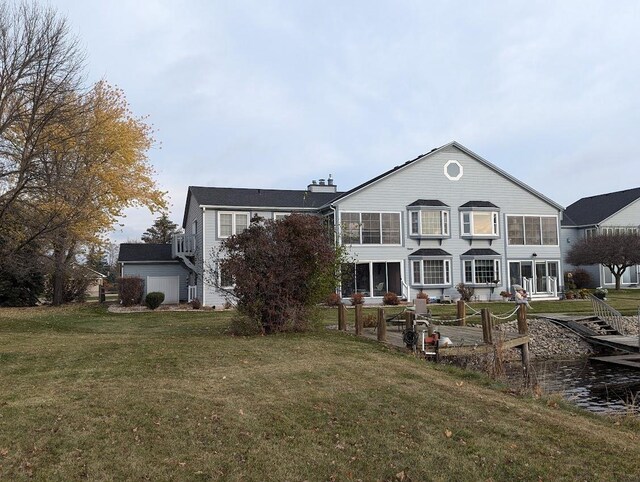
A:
(169, 285)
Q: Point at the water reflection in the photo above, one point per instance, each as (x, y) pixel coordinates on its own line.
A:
(597, 387)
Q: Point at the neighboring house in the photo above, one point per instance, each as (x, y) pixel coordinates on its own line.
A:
(446, 217)
(96, 281)
(159, 269)
(613, 212)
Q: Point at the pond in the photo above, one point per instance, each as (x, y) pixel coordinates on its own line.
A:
(597, 387)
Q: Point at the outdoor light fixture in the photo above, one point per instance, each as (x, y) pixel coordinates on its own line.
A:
(534, 255)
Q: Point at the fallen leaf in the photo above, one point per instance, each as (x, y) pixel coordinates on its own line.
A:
(448, 433)
(459, 384)
(241, 412)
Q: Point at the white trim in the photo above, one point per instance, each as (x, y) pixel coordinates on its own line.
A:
(447, 267)
(444, 213)
(450, 177)
(283, 214)
(235, 207)
(495, 223)
(234, 227)
(506, 223)
(339, 224)
(204, 234)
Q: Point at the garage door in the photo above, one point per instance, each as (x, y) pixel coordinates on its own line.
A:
(169, 285)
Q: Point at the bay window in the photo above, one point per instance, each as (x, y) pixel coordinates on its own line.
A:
(429, 223)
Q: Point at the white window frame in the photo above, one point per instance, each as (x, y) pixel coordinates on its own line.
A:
(420, 282)
(279, 216)
(234, 215)
(220, 280)
(524, 228)
(194, 227)
(445, 223)
(380, 213)
(495, 223)
(496, 270)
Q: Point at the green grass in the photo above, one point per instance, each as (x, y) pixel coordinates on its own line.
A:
(169, 395)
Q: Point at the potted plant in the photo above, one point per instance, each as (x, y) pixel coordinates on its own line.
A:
(569, 295)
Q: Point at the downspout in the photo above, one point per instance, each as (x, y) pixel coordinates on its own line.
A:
(204, 291)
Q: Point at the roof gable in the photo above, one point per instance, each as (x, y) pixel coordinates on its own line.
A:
(593, 210)
(441, 148)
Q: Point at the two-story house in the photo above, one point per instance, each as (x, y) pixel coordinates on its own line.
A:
(445, 217)
(615, 212)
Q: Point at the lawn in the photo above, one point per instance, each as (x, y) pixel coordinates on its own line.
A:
(91, 395)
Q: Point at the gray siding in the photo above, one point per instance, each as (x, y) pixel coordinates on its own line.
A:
(143, 270)
(629, 216)
(425, 179)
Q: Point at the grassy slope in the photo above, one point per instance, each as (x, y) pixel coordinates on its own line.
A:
(169, 395)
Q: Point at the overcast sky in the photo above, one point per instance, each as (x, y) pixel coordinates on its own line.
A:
(273, 94)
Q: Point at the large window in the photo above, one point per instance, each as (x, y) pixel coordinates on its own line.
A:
(532, 230)
(481, 271)
(431, 272)
(232, 223)
(479, 223)
(429, 223)
(373, 278)
(370, 228)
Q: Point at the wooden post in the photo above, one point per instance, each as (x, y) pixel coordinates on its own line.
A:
(358, 319)
(408, 320)
(461, 313)
(382, 325)
(101, 294)
(523, 329)
(342, 317)
(487, 329)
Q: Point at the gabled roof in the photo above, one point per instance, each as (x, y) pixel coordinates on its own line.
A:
(466, 151)
(430, 252)
(478, 204)
(595, 209)
(145, 252)
(232, 197)
(428, 202)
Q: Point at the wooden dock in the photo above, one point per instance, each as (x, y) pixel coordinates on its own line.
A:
(599, 333)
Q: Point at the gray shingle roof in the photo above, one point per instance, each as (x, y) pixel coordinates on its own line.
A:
(481, 252)
(428, 202)
(430, 252)
(262, 198)
(144, 252)
(234, 197)
(595, 209)
(478, 204)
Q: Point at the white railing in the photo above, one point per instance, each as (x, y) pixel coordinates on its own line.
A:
(552, 285)
(605, 312)
(527, 284)
(405, 289)
(183, 245)
(192, 293)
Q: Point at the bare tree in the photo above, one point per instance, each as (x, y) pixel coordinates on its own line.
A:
(617, 252)
(40, 72)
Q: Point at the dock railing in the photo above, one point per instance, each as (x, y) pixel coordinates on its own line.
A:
(605, 312)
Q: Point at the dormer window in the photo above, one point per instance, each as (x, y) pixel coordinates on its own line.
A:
(428, 219)
(479, 219)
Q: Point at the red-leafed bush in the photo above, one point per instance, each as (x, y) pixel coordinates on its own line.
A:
(390, 298)
(130, 290)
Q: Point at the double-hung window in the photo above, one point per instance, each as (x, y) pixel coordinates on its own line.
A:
(532, 230)
(481, 267)
(428, 219)
(232, 223)
(430, 267)
(370, 228)
(479, 219)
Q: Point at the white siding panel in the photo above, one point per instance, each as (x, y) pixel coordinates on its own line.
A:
(169, 285)
(143, 270)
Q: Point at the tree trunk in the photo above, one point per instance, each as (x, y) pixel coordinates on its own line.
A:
(57, 279)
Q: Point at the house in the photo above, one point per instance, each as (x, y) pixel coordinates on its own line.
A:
(613, 212)
(445, 217)
(156, 265)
